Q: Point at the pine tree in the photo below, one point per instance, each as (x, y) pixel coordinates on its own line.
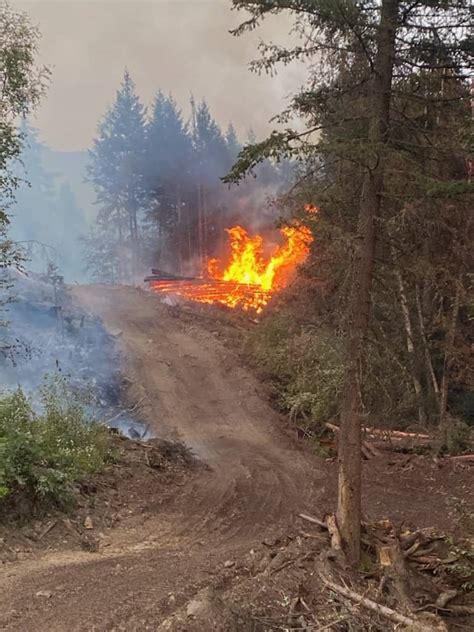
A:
(169, 166)
(233, 145)
(116, 170)
(211, 157)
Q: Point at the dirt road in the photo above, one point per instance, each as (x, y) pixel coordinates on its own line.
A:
(194, 389)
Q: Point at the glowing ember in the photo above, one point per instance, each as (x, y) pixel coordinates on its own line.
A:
(249, 277)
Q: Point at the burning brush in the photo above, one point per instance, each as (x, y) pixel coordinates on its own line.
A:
(248, 278)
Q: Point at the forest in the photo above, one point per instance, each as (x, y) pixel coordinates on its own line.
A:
(322, 275)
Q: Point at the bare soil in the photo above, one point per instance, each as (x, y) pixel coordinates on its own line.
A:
(165, 543)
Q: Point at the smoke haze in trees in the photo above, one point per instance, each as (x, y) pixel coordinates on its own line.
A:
(161, 201)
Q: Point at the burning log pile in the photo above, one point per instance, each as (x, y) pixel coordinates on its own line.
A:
(208, 290)
(250, 275)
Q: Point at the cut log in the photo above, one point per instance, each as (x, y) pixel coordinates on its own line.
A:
(387, 554)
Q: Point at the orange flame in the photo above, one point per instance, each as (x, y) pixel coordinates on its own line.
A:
(249, 266)
(251, 270)
(249, 277)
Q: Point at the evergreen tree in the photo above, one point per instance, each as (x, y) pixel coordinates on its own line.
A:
(116, 170)
(211, 158)
(381, 75)
(233, 145)
(169, 166)
(210, 147)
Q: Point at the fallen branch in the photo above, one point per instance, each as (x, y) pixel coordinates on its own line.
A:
(130, 410)
(47, 529)
(384, 611)
(367, 450)
(313, 520)
(461, 610)
(462, 457)
(445, 597)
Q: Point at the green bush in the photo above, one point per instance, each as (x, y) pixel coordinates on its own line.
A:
(43, 455)
(304, 364)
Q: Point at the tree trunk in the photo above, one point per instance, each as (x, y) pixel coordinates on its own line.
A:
(430, 374)
(410, 347)
(448, 353)
(349, 484)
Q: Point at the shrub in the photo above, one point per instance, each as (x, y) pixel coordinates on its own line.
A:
(43, 455)
(303, 363)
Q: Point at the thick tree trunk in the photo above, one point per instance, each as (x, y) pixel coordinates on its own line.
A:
(349, 484)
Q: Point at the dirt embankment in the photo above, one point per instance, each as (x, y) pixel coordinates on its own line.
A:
(210, 526)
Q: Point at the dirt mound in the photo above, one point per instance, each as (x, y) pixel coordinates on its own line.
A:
(139, 482)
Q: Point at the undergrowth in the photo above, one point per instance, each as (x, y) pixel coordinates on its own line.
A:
(304, 366)
(43, 454)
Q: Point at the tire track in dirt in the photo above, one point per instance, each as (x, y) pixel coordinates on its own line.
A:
(195, 390)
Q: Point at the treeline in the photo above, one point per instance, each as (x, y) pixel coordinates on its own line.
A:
(160, 197)
(388, 293)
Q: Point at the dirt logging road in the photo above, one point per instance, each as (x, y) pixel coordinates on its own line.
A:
(194, 389)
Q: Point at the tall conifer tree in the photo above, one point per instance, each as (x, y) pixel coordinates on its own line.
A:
(116, 170)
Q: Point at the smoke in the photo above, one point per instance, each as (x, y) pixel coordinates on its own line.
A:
(47, 336)
(179, 46)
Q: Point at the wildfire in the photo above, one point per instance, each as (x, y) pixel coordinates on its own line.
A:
(249, 268)
(251, 274)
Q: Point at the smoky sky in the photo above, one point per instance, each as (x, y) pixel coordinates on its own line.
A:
(182, 47)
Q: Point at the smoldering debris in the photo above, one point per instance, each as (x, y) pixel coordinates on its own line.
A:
(46, 334)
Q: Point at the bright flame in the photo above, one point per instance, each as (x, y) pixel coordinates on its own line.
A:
(251, 270)
(249, 266)
(249, 277)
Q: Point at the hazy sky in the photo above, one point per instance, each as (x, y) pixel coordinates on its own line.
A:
(178, 46)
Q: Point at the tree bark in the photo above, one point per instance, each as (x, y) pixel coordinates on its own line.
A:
(349, 483)
(430, 373)
(448, 353)
(410, 346)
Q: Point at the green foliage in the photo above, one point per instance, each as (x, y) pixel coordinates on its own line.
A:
(457, 437)
(304, 364)
(42, 455)
(23, 84)
(463, 567)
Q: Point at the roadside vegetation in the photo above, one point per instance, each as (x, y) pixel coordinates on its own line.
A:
(304, 367)
(44, 454)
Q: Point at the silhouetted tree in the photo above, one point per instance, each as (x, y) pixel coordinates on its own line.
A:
(117, 172)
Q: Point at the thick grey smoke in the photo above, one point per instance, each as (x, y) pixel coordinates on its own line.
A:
(179, 46)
